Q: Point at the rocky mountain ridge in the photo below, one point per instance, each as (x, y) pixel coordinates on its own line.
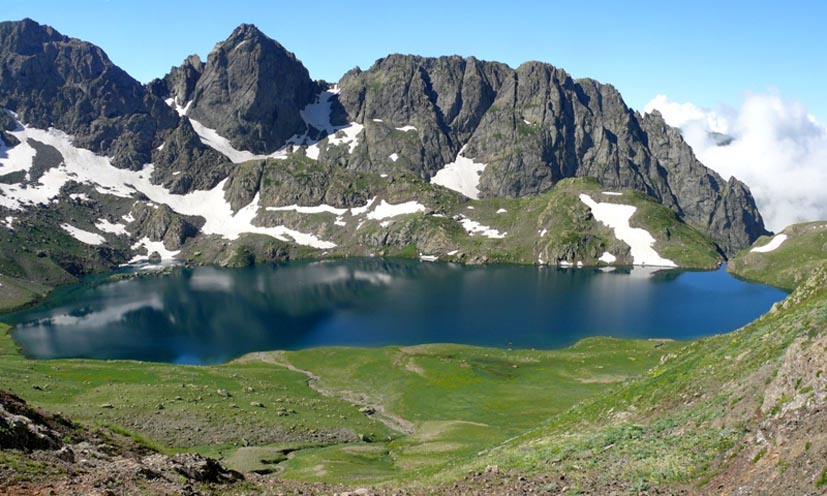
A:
(530, 127)
(227, 147)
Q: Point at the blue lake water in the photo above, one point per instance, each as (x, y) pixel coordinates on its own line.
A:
(211, 315)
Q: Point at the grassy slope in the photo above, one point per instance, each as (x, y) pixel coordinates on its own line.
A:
(462, 399)
(691, 410)
(571, 233)
(804, 250)
(201, 419)
(683, 421)
(490, 400)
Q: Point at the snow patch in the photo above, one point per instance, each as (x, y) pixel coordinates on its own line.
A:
(85, 237)
(310, 210)
(452, 253)
(181, 110)
(313, 152)
(461, 175)
(543, 233)
(79, 165)
(617, 216)
(222, 145)
(774, 243)
(362, 210)
(80, 197)
(18, 158)
(83, 166)
(394, 157)
(317, 116)
(607, 257)
(386, 210)
(222, 221)
(108, 227)
(405, 129)
(9, 222)
(346, 136)
(473, 227)
(150, 247)
(428, 258)
(612, 193)
(502, 211)
(211, 138)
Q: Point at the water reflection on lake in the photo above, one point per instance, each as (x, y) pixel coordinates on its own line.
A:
(211, 315)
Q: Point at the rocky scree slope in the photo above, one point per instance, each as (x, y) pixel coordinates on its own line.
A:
(45, 453)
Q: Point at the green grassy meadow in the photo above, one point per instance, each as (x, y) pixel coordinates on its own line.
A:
(256, 414)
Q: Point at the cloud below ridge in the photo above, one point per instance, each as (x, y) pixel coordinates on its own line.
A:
(778, 149)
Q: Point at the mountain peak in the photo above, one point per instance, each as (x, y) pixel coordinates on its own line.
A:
(246, 31)
(251, 90)
(28, 33)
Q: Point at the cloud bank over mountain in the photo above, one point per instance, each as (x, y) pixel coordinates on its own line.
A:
(773, 144)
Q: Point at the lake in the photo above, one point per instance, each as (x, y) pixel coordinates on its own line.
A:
(210, 315)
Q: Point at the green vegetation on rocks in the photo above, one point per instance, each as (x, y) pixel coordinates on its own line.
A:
(787, 266)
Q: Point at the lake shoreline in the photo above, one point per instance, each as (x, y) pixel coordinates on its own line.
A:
(353, 300)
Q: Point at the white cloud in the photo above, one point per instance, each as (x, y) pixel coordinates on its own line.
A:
(681, 114)
(777, 148)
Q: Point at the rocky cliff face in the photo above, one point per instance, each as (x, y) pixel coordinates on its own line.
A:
(251, 90)
(725, 208)
(52, 80)
(400, 122)
(532, 127)
(425, 109)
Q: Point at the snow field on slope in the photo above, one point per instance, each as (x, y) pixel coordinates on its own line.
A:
(641, 242)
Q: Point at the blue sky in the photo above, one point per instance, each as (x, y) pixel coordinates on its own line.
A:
(701, 51)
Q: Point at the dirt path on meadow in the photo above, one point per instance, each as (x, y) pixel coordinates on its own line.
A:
(394, 422)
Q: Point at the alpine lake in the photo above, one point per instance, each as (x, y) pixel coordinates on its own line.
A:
(209, 315)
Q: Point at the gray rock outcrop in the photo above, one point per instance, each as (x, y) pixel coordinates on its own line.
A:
(250, 90)
(49, 79)
(52, 80)
(534, 126)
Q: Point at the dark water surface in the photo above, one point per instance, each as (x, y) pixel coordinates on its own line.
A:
(211, 315)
